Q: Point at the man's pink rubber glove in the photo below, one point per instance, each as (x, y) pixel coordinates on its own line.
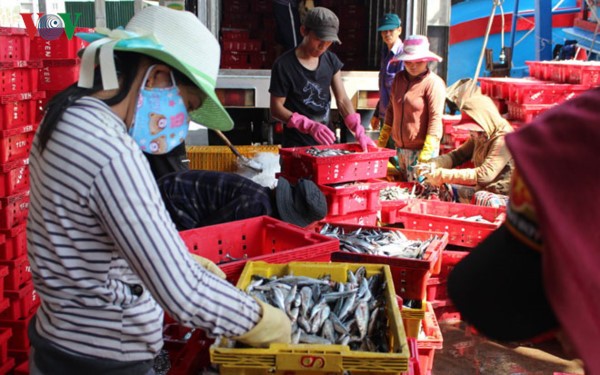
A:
(352, 121)
(318, 131)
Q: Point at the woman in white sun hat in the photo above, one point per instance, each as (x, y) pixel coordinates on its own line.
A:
(105, 256)
(414, 114)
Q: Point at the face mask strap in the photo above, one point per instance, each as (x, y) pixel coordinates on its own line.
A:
(149, 70)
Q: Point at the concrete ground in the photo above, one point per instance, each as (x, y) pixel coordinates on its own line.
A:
(465, 352)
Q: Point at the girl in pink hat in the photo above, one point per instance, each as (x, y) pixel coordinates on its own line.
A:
(414, 115)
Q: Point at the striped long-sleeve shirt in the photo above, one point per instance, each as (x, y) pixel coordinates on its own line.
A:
(104, 253)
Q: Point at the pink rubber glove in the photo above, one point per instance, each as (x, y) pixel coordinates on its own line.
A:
(352, 121)
(318, 131)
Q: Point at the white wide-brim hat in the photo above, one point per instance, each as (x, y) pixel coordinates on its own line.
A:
(416, 48)
(178, 39)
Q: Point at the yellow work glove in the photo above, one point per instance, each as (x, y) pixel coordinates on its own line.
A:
(430, 148)
(209, 265)
(384, 135)
(439, 176)
(274, 326)
(442, 161)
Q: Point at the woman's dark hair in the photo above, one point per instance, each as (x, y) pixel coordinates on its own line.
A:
(126, 64)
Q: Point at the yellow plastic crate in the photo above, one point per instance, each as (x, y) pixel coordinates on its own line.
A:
(412, 319)
(300, 359)
(221, 158)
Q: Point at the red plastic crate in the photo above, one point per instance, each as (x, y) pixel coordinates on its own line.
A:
(22, 369)
(346, 198)
(14, 177)
(584, 73)
(18, 77)
(6, 367)
(366, 217)
(5, 334)
(20, 110)
(410, 275)
(60, 48)
(16, 143)
(13, 243)
(414, 367)
(188, 349)
(231, 34)
(450, 259)
(23, 302)
(448, 121)
(14, 44)
(436, 216)
(14, 209)
(57, 75)
(436, 290)
(433, 342)
(543, 92)
(261, 238)
(500, 87)
(357, 166)
(19, 272)
(20, 356)
(4, 270)
(526, 112)
(19, 340)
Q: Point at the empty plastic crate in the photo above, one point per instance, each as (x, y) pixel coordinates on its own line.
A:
(14, 210)
(304, 358)
(57, 75)
(14, 177)
(526, 112)
(351, 197)
(20, 339)
(14, 44)
(18, 77)
(20, 111)
(13, 242)
(297, 163)
(231, 245)
(437, 216)
(15, 143)
(5, 334)
(19, 272)
(60, 48)
(432, 342)
(6, 367)
(23, 302)
(220, 158)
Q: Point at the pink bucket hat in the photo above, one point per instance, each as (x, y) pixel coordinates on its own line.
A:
(416, 48)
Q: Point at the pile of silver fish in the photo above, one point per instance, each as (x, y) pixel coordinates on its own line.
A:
(324, 312)
(394, 193)
(419, 191)
(324, 152)
(373, 241)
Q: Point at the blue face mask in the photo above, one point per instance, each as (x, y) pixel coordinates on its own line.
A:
(161, 120)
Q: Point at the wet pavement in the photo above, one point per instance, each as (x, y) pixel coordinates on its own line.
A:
(467, 353)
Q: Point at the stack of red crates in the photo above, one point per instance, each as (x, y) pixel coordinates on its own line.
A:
(31, 71)
(351, 182)
(247, 35)
(19, 117)
(520, 100)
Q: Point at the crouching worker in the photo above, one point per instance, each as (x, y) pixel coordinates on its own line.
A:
(486, 184)
(198, 198)
(106, 259)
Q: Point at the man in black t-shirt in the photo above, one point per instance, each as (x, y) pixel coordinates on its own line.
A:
(301, 83)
